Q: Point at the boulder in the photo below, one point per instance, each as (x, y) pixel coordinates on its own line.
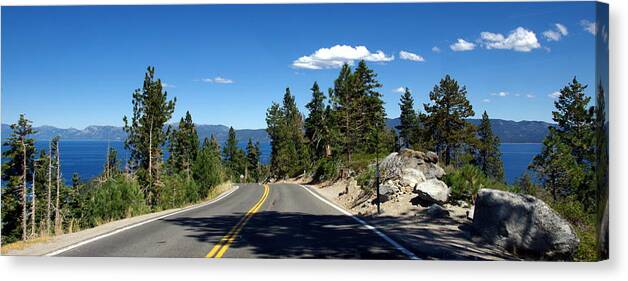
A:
(437, 211)
(386, 192)
(524, 224)
(433, 190)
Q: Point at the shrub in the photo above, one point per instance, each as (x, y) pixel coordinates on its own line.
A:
(466, 181)
(583, 223)
(116, 198)
(176, 191)
(366, 177)
(326, 169)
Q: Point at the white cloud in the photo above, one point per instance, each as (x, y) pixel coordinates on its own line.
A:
(218, 80)
(400, 90)
(410, 56)
(436, 49)
(554, 95)
(462, 45)
(520, 39)
(500, 94)
(604, 33)
(166, 85)
(588, 26)
(338, 55)
(530, 96)
(486, 100)
(557, 33)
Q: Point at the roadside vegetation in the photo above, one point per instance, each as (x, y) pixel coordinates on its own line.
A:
(344, 134)
(37, 203)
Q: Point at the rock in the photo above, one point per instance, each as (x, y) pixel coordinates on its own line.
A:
(433, 190)
(432, 171)
(470, 213)
(523, 223)
(386, 192)
(432, 156)
(436, 211)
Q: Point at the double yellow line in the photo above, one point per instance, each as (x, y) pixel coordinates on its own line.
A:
(219, 249)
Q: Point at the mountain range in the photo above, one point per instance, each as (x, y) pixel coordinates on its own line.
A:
(508, 131)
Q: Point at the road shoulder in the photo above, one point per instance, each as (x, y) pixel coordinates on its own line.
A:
(51, 245)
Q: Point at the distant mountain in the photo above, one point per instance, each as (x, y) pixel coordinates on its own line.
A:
(508, 131)
(117, 133)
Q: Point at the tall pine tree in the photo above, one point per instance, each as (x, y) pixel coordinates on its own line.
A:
(409, 122)
(445, 120)
(233, 156)
(145, 133)
(16, 173)
(488, 155)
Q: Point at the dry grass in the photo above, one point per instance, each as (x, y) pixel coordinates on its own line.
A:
(20, 245)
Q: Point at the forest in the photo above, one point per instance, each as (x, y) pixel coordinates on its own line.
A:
(342, 135)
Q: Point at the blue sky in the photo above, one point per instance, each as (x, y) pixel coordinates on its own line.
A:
(77, 66)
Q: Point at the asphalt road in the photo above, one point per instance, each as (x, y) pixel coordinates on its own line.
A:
(255, 221)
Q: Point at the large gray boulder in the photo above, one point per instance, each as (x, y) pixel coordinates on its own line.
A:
(433, 190)
(523, 224)
(386, 192)
(415, 171)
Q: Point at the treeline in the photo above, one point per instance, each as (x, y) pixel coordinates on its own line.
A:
(344, 132)
(37, 203)
(345, 129)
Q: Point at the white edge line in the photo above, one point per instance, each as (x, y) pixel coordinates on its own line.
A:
(392, 242)
(90, 240)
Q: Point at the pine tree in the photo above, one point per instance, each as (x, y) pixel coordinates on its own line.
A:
(409, 122)
(565, 164)
(145, 134)
(316, 126)
(253, 160)
(347, 113)
(112, 164)
(58, 221)
(372, 119)
(207, 168)
(16, 172)
(488, 155)
(233, 156)
(183, 146)
(446, 118)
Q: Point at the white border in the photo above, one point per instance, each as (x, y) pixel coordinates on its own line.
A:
(392, 242)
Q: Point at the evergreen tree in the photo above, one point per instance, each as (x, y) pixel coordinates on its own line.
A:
(346, 111)
(112, 164)
(16, 173)
(372, 119)
(445, 121)
(233, 156)
(316, 126)
(488, 155)
(565, 164)
(183, 146)
(409, 122)
(145, 134)
(253, 160)
(207, 168)
(289, 151)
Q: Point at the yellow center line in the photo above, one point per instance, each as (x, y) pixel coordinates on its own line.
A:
(219, 249)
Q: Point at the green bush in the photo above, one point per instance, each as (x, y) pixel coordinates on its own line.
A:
(366, 177)
(466, 181)
(583, 223)
(326, 169)
(114, 199)
(176, 191)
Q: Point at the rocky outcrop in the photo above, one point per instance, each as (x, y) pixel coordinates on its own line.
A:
(523, 224)
(415, 171)
(437, 211)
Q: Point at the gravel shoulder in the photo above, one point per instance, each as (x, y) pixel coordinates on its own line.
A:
(46, 245)
(446, 238)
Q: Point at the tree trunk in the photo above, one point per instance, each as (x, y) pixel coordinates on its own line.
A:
(150, 164)
(49, 189)
(33, 209)
(57, 207)
(23, 189)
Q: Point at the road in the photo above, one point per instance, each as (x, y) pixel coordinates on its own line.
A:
(254, 221)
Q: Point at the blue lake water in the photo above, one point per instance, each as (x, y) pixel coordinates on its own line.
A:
(87, 158)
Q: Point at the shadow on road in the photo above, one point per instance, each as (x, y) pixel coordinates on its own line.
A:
(272, 234)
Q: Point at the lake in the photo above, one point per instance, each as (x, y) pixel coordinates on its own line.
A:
(88, 157)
